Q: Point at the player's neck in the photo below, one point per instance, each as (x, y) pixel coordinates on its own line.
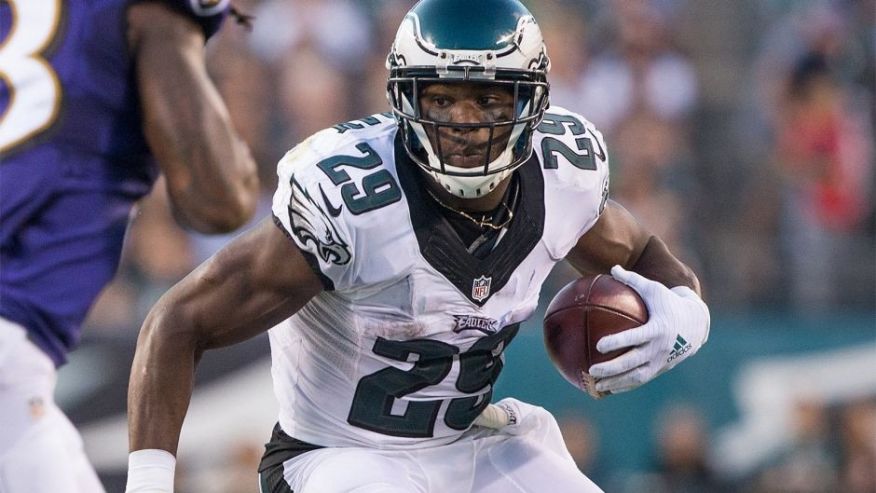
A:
(484, 203)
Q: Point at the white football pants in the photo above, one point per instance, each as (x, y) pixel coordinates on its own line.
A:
(529, 457)
(40, 451)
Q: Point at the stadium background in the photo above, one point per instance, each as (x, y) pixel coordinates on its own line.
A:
(740, 131)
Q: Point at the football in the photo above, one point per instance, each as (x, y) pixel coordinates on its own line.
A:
(580, 314)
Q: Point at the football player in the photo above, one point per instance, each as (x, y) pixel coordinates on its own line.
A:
(94, 93)
(404, 251)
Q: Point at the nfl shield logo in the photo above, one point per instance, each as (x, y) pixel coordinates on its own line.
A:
(480, 288)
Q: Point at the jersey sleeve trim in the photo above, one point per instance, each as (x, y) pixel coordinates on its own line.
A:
(309, 257)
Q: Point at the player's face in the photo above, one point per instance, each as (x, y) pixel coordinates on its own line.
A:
(467, 103)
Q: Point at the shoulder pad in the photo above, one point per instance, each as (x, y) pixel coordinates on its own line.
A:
(327, 185)
(572, 151)
(575, 167)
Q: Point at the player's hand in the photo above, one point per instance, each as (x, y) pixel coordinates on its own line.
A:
(678, 325)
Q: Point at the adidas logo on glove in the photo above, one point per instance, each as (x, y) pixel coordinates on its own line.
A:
(681, 346)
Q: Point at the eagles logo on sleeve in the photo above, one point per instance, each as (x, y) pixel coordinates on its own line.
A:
(311, 224)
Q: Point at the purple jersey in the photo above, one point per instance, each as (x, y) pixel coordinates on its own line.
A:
(73, 157)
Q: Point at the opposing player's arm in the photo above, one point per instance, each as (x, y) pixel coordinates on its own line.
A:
(618, 239)
(211, 176)
(255, 282)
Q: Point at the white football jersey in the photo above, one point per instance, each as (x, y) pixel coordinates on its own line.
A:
(403, 347)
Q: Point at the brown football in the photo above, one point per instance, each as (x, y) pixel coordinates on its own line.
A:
(580, 314)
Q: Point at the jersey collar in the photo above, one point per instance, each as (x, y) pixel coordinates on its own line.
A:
(477, 279)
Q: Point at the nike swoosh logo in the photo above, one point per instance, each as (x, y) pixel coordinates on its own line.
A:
(332, 210)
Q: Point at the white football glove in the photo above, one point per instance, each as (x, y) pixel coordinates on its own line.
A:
(677, 327)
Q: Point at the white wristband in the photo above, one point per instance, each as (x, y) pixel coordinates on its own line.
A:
(150, 471)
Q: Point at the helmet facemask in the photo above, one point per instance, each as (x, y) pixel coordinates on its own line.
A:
(528, 85)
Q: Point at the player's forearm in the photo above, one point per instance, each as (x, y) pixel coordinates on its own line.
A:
(211, 175)
(207, 195)
(160, 387)
(254, 283)
(657, 263)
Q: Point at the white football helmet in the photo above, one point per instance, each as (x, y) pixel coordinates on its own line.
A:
(481, 41)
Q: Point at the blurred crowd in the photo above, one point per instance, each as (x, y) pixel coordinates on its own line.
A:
(741, 132)
(833, 450)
